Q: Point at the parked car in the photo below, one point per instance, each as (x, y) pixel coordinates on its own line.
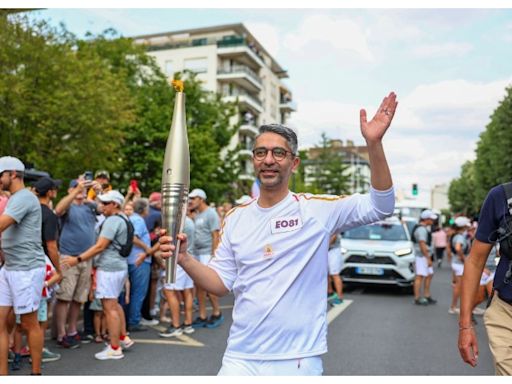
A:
(379, 253)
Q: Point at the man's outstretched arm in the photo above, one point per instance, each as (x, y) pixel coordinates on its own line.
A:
(373, 131)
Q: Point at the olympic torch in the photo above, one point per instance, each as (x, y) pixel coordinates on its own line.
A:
(175, 179)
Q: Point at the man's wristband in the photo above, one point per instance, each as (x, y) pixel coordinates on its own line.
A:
(79, 258)
(464, 328)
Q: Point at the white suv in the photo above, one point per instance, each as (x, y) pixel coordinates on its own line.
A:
(379, 253)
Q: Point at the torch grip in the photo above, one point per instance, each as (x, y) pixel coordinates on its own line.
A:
(174, 211)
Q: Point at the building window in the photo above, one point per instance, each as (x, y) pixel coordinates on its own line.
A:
(197, 65)
(169, 68)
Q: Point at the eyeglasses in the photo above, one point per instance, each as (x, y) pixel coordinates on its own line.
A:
(278, 153)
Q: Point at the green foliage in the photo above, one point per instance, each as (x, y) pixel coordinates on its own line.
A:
(69, 105)
(461, 193)
(493, 163)
(298, 180)
(330, 172)
(59, 109)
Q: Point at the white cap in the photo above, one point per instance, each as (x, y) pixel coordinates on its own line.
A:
(9, 163)
(243, 200)
(114, 196)
(428, 214)
(198, 193)
(462, 221)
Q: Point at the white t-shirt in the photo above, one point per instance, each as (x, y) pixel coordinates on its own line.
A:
(275, 262)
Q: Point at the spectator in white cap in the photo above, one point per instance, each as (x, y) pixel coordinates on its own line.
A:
(424, 270)
(206, 239)
(460, 250)
(112, 272)
(22, 277)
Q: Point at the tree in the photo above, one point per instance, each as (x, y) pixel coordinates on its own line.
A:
(298, 179)
(208, 120)
(330, 171)
(461, 193)
(69, 105)
(493, 164)
(59, 110)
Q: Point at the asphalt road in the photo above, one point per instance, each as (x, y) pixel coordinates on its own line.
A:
(377, 331)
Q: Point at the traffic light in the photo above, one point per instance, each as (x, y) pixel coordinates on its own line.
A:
(415, 189)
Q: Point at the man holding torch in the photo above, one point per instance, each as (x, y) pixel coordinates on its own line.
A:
(273, 254)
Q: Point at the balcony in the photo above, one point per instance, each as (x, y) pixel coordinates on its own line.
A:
(238, 47)
(244, 99)
(248, 130)
(288, 106)
(245, 153)
(242, 76)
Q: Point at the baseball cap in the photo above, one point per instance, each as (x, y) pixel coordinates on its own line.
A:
(462, 221)
(428, 214)
(9, 163)
(198, 193)
(155, 197)
(243, 200)
(45, 184)
(112, 195)
(101, 173)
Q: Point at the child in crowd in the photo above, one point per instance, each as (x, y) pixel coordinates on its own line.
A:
(99, 321)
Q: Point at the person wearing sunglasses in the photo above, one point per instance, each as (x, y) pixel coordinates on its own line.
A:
(273, 252)
(111, 273)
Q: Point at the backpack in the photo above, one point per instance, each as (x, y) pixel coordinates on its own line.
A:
(124, 249)
(503, 284)
(452, 246)
(505, 232)
(413, 237)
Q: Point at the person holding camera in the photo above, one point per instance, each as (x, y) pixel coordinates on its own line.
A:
(78, 220)
(100, 184)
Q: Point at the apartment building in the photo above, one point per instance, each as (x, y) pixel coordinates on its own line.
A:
(229, 61)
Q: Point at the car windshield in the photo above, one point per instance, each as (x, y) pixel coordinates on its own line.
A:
(384, 231)
(410, 225)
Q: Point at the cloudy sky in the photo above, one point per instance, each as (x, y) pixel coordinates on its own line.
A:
(449, 68)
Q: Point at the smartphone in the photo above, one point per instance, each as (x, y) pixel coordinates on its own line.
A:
(88, 175)
(134, 185)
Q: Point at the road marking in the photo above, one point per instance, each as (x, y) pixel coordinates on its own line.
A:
(182, 340)
(337, 309)
(187, 341)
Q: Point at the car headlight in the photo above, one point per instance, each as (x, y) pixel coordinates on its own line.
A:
(403, 252)
(343, 250)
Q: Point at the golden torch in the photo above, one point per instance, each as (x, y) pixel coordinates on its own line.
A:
(175, 179)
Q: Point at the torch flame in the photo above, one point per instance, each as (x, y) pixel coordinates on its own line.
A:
(178, 85)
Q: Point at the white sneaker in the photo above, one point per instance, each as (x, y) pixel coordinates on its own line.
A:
(478, 311)
(127, 342)
(453, 311)
(143, 321)
(188, 329)
(109, 354)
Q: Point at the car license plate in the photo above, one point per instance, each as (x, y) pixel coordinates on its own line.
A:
(369, 271)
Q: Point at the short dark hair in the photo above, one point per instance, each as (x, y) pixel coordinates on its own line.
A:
(281, 130)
